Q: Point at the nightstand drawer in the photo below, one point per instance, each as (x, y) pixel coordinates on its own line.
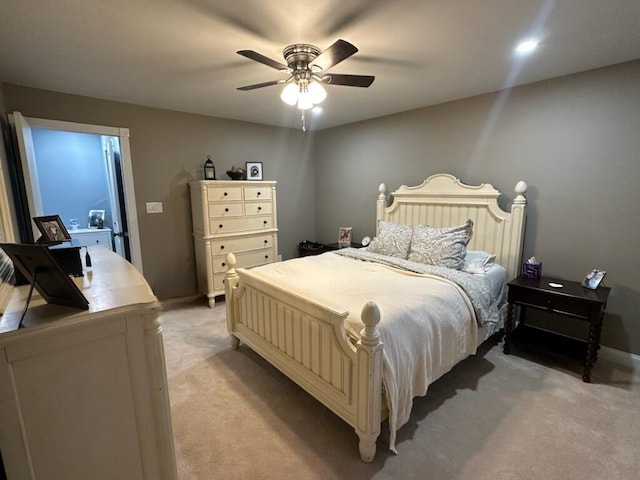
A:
(546, 301)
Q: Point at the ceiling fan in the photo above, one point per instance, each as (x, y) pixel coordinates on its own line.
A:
(307, 67)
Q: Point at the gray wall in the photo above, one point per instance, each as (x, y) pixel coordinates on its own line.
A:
(575, 141)
(168, 149)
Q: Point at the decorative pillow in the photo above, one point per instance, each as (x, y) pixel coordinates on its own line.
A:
(393, 239)
(444, 247)
(477, 261)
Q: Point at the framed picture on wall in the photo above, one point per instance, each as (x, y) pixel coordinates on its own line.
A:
(52, 229)
(96, 218)
(254, 170)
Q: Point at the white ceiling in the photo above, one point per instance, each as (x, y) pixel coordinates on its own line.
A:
(181, 54)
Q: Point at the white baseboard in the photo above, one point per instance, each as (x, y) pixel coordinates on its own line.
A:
(625, 359)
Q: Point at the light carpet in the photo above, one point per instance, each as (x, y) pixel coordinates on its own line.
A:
(494, 416)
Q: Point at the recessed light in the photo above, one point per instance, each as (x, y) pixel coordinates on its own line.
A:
(527, 46)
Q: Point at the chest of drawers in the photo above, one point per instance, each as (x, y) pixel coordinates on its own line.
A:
(231, 217)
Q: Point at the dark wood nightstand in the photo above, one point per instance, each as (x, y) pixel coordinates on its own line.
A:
(337, 246)
(571, 300)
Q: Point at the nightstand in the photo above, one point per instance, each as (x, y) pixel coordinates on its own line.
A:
(570, 300)
(337, 246)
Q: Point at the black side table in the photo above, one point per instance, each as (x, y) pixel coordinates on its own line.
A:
(570, 300)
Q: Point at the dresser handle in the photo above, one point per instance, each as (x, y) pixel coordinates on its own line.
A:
(266, 241)
(220, 226)
(225, 194)
(265, 222)
(259, 208)
(224, 264)
(226, 209)
(266, 257)
(258, 193)
(221, 247)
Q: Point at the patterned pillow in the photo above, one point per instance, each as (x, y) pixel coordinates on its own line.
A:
(444, 247)
(393, 239)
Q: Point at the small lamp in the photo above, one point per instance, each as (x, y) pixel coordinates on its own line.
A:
(209, 169)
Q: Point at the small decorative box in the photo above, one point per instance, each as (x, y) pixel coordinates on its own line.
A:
(532, 270)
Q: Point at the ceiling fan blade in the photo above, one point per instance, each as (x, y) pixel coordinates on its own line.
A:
(340, 50)
(263, 84)
(258, 57)
(348, 80)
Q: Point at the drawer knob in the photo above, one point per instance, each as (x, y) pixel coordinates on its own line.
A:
(264, 222)
(259, 208)
(221, 247)
(225, 194)
(224, 264)
(266, 257)
(259, 193)
(266, 241)
(220, 226)
(226, 209)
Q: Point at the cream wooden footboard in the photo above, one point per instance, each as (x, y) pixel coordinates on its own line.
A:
(307, 341)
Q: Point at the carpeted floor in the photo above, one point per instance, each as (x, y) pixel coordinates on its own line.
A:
(494, 416)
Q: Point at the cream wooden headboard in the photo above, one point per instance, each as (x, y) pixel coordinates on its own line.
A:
(444, 201)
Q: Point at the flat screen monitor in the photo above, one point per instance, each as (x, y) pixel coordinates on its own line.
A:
(51, 281)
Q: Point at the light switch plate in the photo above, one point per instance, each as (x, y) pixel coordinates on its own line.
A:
(154, 207)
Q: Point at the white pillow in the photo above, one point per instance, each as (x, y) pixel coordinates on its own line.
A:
(445, 247)
(478, 261)
(393, 239)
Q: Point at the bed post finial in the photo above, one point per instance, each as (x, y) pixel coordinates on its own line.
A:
(521, 189)
(370, 317)
(381, 204)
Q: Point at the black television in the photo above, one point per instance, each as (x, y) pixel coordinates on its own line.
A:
(39, 267)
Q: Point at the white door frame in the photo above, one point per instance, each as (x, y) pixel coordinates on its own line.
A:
(20, 121)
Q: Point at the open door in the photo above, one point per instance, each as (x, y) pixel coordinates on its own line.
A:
(126, 199)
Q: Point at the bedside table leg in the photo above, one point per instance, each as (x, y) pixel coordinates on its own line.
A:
(508, 327)
(593, 345)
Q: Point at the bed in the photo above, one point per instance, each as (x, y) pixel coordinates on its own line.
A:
(364, 331)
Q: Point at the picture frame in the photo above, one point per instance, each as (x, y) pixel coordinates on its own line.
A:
(96, 218)
(254, 170)
(52, 229)
(593, 278)
(344, 235)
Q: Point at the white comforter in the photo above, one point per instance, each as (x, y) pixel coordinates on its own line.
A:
(427, 323)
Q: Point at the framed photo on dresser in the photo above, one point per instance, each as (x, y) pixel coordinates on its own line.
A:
(254, 170)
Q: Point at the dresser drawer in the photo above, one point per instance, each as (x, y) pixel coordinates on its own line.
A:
(257, 193)
(222, 210)
(243, 224)
(94, 237)
(240, 244)
(243, 260)
(220, 194)
(258, 208)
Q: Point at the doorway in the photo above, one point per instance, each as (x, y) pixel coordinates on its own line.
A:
(55, 154)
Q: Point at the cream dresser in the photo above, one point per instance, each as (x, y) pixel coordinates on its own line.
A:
(84, 393)
(232, 216)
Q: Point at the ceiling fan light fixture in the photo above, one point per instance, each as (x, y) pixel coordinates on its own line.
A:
(290, 94)
(317, 93)
(304, 100)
